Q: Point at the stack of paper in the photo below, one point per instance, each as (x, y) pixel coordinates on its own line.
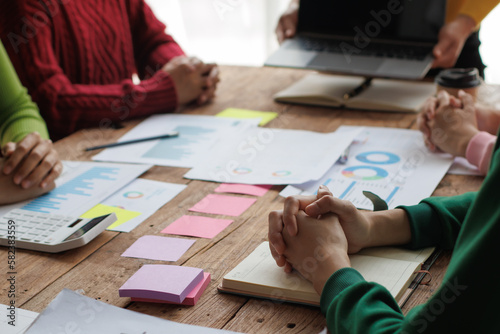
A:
(273, 156)
(232, 150)
(197, 135)
(391, 163)
(165, 283)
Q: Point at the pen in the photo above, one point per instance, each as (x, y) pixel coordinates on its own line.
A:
(167, 135)
(359, 89)
(344, 157)
(419, 277)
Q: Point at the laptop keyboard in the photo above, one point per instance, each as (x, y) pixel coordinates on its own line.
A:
(372, 49)
(33, 226)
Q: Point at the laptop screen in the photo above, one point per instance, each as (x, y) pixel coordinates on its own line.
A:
(404, 20)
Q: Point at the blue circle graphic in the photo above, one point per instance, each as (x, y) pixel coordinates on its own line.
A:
(391, 158)
(379, 173)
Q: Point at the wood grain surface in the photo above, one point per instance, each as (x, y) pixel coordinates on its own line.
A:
(99, 270)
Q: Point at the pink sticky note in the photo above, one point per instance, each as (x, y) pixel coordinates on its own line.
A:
(191, 298)
(158, 248)
(245, 189)
(196, 226)
(223, 205)
(163, 282)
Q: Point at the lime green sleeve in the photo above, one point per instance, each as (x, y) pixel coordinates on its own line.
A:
(19, 116)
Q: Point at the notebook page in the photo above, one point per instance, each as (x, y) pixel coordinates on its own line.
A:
(258, 273)
(394, 275)
(420, 255)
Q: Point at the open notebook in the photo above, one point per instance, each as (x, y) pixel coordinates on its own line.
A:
(259, 276)
(381, 94)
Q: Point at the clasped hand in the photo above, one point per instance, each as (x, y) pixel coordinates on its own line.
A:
(193, 79)
(314, 234)
(449, 123)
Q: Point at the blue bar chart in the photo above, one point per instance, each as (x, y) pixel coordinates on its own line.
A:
(83, 185)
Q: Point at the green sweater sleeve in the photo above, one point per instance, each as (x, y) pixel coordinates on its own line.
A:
(437, 221)
(19, 116)
(466, 301)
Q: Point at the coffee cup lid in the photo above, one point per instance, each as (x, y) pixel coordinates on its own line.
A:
(459, 78)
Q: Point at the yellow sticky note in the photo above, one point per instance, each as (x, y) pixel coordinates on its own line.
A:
(122, 214)
(265, 116)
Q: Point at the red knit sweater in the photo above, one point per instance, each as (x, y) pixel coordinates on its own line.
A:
(77, 58)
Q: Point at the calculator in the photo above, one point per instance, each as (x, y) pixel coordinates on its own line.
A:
(49, 232)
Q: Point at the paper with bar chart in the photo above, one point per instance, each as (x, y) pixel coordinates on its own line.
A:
(392, 163)
(197, 136)
(81, 186)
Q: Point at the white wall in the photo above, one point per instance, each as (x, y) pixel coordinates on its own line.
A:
(241, 32)
(490, 47)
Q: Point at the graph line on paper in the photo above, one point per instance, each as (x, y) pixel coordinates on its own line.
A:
(80, 186)
(178, 148)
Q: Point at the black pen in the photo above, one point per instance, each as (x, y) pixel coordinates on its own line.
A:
(359, 89)
(167, 135)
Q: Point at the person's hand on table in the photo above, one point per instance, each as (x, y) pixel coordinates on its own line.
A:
(354, 222)
(12, 193)
(451, 40)
(193, 79)
(287, 24)
(428, 112)
(451, 128)
(32, 162)
(318, 249)
(488, 118)
(286, 219)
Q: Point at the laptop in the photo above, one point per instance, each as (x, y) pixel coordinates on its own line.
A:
(374, 38)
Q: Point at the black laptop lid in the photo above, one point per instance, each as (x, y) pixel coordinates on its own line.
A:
(402, 20)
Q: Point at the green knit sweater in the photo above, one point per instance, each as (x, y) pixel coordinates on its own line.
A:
(467, 300)
(19, 116)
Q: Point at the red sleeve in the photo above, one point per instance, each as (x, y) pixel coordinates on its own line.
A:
(68, 107)
(153, 46)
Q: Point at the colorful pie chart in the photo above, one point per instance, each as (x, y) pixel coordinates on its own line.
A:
(242, 171)
(133, 194)
(281, 173)
(365, 173)
(378, 158)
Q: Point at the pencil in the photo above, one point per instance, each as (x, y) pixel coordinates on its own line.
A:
(140, 140)
(358, 90)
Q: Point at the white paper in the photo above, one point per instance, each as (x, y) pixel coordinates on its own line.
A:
(462, 167)
(81, 186)
(392, 163)
(70, 312)
(197, 135)
(144, 196)
(273, 156)
(19, 319)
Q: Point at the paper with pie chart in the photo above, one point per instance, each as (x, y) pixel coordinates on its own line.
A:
(273, 156)
(392, 163)
(143, 196)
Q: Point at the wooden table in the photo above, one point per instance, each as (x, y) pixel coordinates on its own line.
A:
(99, 270)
